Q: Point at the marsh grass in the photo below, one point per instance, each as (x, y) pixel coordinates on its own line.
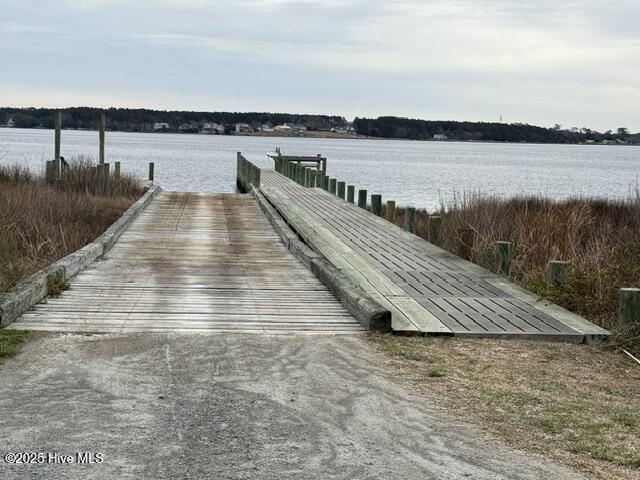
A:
(601, 239)
(41, 221)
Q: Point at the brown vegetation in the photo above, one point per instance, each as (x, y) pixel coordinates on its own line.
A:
(42, 221)
(601, 239)
(576, 404)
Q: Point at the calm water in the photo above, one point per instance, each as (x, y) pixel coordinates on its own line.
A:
(418, 173)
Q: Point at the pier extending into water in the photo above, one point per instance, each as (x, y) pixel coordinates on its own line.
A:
(294, 253)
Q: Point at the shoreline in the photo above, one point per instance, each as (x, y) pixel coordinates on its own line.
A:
(335, 136)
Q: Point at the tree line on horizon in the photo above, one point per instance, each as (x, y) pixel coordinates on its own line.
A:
(142, 120)
(406, 128)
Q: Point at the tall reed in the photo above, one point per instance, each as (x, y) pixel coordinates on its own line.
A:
(42, 221)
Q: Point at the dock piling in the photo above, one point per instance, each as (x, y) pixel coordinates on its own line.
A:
(341, 189)
(391, 211)
(629, 307)
(557, 273)
(103, 124)
(116, 169)
(351, 193)
(410, 219)
(362, 198)
(376, 204)
(151, 171)
(332, 185)
(434, 227)
(504, 252)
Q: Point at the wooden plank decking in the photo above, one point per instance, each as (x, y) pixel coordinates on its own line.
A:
(196, 262)
(426, 288)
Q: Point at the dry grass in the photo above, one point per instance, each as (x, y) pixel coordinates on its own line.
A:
(576, 404)
(600, 238)
(41, 222)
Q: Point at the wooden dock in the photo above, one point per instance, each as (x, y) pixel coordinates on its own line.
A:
(195, 262)
(427, 289)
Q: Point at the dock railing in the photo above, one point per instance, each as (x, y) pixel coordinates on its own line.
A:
(247, 174)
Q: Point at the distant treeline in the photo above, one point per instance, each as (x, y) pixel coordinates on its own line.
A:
(396, 127)
(142, 119)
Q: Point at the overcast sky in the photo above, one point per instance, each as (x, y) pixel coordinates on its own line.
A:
(576, 63)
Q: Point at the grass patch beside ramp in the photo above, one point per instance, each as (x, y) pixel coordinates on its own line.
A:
(576, 404)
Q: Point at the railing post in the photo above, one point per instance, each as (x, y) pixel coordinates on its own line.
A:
(391, 211)
(325, 182)
(151, 171)
(629, 307)
(433, 230)
(332, 185)
(557, 273)
(362, 198)
(410, 219)
(376, 204)
(503, 257)
(351, 193)
(258, 177)
(116, 169)
(341, 187)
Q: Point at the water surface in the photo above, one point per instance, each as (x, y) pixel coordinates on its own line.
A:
(410, 172)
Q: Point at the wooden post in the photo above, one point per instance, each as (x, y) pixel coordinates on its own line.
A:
(433, 233)
(376, 204)
(341, 187)
(410, 219)
(467, 237)
(325, 182)
(362, 198)
(116, 169)
(258, 177)
(557, 273)
(332, 185)
(57, 120)
(503, 257)
(49, 174)
(629, 307)
(391, 211)
(351, 193)
(103, 125)
(151, 171)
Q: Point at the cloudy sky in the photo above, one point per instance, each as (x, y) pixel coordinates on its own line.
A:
(573, 62)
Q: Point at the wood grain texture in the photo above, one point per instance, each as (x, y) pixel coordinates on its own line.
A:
(196, 262)
(425, 287)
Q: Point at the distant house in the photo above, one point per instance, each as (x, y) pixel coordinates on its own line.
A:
(243, 128)
(266, 127)
(282, 128)
(11, 123)
(212, 128)
(160, 126)
(190, 127)
(440, 136)
(297, 126)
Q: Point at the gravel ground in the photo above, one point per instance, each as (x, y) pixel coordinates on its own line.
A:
(172, 406)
